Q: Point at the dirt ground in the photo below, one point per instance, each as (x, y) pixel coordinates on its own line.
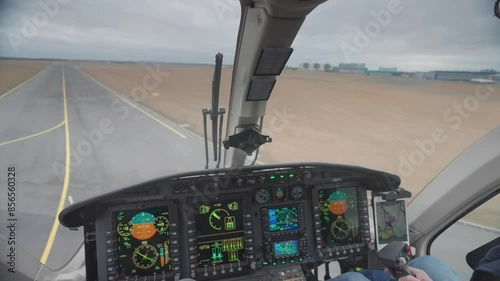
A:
(14, 72)
(373, 121)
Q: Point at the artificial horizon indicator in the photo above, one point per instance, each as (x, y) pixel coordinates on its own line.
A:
(143, 242)
(339, 216)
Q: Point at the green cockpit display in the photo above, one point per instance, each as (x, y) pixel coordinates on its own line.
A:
(339, 216)
(220, 234)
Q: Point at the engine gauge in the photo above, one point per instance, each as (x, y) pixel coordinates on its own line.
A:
(145, 256)
(340, 229)
(297, 192)
(262, 196)
(125, 229)
(161, 223)
(219, 219)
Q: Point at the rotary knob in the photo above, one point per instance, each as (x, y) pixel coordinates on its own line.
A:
(253, 265)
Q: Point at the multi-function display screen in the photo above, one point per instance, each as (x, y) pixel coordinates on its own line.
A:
(339, 216)
(284, 218)
(286, 248)
(220, 237)
(143, 242)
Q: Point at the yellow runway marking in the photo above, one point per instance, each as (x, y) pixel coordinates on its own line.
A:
(138, 108)
(20, 85)
(33, 135)
(55, 225)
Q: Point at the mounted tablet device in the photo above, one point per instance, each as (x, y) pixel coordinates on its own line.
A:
(391, 224)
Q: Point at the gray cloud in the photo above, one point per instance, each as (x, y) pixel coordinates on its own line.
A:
(426, 34)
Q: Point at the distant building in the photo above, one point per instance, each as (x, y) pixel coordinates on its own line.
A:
(416, 75)
(457, 75)
(384, 72)
(391, 69)
(356, 68)
(310, 66)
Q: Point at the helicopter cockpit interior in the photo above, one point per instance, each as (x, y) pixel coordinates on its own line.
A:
(241, 220)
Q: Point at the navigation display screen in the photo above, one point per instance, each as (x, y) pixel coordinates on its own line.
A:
(220, 237)
(284, 218)
(339, 216)
(143, 242)
(391, 221)
(286, 248)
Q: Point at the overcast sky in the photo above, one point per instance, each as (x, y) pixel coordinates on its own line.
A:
(422, 35)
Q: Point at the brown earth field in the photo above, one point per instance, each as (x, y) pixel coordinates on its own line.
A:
(14, 72)
(379, 122)
(372, 121)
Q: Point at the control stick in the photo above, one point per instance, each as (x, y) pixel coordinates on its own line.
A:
(395, 256)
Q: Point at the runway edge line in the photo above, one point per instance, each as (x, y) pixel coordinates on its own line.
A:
(22, 84)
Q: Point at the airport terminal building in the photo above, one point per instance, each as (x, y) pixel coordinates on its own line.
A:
(457, 75)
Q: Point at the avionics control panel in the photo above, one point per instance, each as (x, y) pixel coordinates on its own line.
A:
(257, 222)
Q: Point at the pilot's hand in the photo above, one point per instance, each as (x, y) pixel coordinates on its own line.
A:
(420, 275)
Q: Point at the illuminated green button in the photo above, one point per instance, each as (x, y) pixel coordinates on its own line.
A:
(274, 263)
(264, 263)
(291, 175)
(301, 259)
(292, 260)
(283, 261)
(282, 176)
(272, 177)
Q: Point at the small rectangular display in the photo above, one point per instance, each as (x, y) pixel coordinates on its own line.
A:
(339, 216)
(220, 237)
(391, 222)
(286, 248)
(143, 242)
(284, 218)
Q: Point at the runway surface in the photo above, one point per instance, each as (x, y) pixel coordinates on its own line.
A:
(70, 138)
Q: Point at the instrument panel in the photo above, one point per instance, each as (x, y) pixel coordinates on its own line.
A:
(258, 222)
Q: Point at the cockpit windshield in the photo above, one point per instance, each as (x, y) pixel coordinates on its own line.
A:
(100, 95)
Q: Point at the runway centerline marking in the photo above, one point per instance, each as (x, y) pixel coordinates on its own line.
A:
(22, 84)
(55, 225)
(33, 135)
(136, 107)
